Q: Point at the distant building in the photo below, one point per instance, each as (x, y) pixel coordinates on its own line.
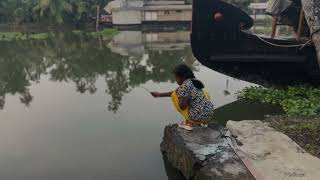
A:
(258, 8)
(167, 13)
(137, 12)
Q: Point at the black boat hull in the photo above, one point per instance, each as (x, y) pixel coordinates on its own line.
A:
(225, 41)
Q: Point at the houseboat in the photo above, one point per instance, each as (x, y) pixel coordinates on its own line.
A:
(125, 12)
(220, 33)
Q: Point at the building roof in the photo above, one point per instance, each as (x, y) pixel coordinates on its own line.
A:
(138, 5)
(127, 9)
(120, 4)
(168, 7)
(164, 3)
(258, 6)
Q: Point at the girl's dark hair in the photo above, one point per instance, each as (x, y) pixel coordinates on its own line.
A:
(185, 72)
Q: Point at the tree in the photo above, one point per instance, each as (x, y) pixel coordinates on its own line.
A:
(53, 10)
(13, 11)
(48, 11)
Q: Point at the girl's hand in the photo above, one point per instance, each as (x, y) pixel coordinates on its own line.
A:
(155, 94)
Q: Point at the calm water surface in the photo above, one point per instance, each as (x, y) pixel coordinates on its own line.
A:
(74, 107)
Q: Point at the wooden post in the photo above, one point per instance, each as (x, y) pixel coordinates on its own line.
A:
(97, 26)
(312, 13)
(98, 18)
(274, 26)
(255, 14)
(301, 24)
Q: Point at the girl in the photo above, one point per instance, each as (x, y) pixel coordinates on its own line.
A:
(190, 98)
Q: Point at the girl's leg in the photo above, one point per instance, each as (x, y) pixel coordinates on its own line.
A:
(175, 101)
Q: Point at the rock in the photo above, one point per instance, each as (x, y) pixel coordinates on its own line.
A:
(272, 154)
(202, 154)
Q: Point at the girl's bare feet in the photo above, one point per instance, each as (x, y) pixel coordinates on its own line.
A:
(185, 126)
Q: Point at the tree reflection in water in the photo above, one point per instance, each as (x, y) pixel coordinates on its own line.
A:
(78, 58)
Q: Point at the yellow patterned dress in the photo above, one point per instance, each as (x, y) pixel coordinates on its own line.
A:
(200, 107)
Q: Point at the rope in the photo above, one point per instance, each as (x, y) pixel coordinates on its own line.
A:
(290, 46)
(284, 46)
(316, 31)
(257, 175)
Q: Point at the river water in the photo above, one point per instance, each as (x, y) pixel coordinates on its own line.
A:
(74, 106)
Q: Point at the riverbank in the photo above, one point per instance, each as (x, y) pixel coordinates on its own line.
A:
(301, 104)
(304, 131)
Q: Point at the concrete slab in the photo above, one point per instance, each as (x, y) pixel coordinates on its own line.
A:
(272, 154)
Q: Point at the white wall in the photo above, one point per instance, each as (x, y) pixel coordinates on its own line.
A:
(124, 17)
(127, 43)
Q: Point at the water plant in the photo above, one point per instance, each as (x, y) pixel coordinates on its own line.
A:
(294, 100)
(12, 36)
(105, 32)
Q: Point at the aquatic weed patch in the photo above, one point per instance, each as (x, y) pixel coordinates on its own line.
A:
(13, 36)
(10, 36)
(294, 100)
(305, 132)
(110, 32)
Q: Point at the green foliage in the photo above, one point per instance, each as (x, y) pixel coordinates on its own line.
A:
(48, 11)
(80, 58)
(295, 100)
(105, 33)
(14, 11)
(40, 36)
(53, 10)
(12, 36)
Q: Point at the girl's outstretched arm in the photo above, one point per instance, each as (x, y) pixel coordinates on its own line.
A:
(158, 94)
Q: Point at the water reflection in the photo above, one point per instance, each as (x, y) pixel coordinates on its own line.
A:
(138, 43)
(130, 59)
(278, 74)
(67, 132)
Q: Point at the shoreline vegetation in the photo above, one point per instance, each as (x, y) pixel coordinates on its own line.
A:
(12, 36)
(301, 105)
(300, 100)
(49, 11)
(58, 12)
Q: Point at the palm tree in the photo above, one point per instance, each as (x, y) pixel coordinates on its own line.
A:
(54, 10)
